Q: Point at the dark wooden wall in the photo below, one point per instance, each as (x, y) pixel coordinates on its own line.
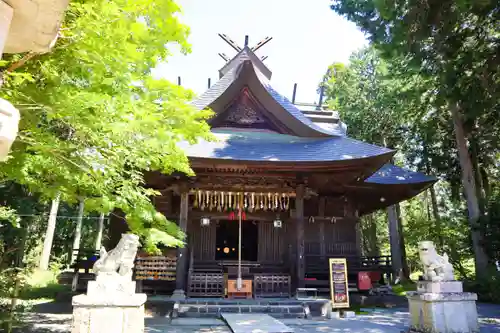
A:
(326, 238)
(202, 240)
(272, 242)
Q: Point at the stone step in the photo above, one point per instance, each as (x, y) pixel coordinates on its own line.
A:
(215, 310)
(250, 323)
(264, 302)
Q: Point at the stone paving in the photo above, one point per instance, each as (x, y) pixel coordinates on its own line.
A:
(377, 321)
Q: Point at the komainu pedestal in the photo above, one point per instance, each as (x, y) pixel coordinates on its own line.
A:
(440, 305)
(111, 304)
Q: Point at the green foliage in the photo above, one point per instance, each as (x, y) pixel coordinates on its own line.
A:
(486, 287)
(382, 104)
(444, 56)
(10, 215)
(402, 288)
(94, 121)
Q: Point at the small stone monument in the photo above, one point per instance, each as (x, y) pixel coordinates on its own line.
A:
(111, 304)
(439, 305)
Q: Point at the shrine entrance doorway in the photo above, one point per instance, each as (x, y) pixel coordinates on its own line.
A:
(227, 240)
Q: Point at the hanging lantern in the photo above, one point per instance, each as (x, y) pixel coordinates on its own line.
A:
(311, 219)
(205, 221)
(277, 223)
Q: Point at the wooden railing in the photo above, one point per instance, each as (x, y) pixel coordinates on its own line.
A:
(317, 263)
(84, 259)
(206, 283)
(317, 270)
(271, 285)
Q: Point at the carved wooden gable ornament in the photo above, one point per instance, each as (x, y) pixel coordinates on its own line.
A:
(245, 112)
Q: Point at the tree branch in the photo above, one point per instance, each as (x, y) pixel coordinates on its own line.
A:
(20, 62)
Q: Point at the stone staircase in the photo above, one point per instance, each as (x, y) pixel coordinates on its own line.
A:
(275, 308)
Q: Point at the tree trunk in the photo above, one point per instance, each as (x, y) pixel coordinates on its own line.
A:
(78, 231)
(427, 206)
(435, 210)
(394, 239)
(437, 218)
(469, 184)
(474, 149)
(404, 260)
(370, 236)
(100, 229)
(49, 234)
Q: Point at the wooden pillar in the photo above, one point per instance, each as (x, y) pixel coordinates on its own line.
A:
(299, 223)
(394, 238)
(182, 253)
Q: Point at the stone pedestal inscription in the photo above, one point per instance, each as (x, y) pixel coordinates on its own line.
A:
(439, 305)
(111, 304)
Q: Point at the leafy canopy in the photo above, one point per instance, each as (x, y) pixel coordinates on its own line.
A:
(94, 120)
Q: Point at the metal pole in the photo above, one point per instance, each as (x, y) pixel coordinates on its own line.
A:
(294, 93)
(238, 281)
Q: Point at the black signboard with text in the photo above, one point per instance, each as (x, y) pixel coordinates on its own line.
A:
(339, 289)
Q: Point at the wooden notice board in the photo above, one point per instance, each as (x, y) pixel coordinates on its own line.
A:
(339, 288)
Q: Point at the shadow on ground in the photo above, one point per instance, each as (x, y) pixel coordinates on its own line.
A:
(55, 317)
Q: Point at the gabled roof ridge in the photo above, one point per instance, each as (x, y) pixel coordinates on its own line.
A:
(246, 54)
(260, 81)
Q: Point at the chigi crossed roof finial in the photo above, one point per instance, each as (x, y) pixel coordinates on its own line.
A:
(238, 49)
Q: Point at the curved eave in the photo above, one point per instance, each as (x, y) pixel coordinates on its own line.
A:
(392, 195)
(260, 147)
(220, 95)
(390, 185)
(360, 164)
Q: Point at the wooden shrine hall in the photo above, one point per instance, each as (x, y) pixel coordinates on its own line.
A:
(277, 194)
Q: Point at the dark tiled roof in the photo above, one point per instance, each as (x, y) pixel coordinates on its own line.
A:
(391, 175)
(210, 95)
(214, 92)
(293, 110)
(263, 146)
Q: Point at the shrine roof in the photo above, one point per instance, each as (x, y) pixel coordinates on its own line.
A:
(392, 175)
(246, 74)
(274, 147)
(388, 186)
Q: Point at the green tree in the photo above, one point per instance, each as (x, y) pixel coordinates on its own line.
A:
(378, 101)
(456, 45)
(93, 118)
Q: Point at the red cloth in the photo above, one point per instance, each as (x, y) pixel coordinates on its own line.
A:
(364, 281)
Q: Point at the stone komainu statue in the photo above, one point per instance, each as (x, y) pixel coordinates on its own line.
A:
(120, 260)
(436, 267)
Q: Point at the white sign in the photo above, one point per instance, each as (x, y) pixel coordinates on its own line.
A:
(6, 13)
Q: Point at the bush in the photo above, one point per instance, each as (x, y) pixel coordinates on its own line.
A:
(487, 289)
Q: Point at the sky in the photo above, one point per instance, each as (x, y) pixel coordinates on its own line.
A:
(307, 37)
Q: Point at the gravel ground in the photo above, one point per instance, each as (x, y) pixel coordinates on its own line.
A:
(56, 318)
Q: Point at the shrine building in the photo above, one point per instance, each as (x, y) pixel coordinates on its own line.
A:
(292, 174)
